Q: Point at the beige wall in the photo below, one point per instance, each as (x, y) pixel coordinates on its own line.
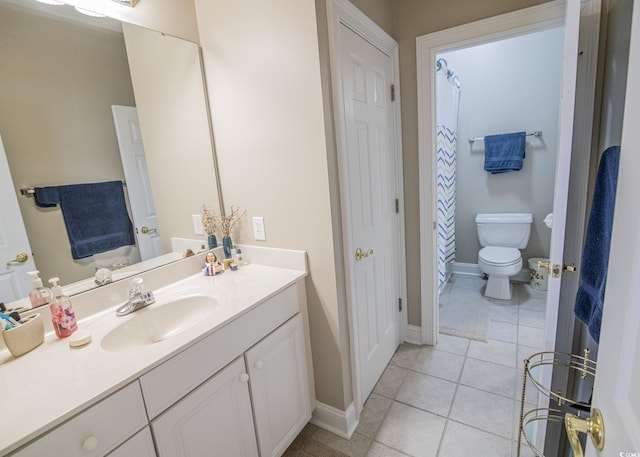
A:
(413, 18)
(57, 85)
(263, 76)
(379, 11)
(170, 96)
(174, 17)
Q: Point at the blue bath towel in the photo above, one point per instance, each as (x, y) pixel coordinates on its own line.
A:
(503, 153)
(595, 256)
(95, 215)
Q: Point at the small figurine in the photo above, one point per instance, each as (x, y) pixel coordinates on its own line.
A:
(212, 266)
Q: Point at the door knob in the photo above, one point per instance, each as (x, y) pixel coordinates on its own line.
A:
(20, 258)
(146, 230)
(592, 426)
(360, 254)
(545, 265)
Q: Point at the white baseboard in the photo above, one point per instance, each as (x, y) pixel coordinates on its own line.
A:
(413, 334)
(473, 269)
(334, 420)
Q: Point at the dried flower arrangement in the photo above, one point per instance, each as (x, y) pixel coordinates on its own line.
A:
(210, 220)
(230, 220)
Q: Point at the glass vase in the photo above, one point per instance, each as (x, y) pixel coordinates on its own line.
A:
(213, 241)
(227, 244)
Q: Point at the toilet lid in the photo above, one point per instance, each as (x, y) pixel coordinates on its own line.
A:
(495, 255)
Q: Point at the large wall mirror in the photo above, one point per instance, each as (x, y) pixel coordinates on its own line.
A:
(63, 73)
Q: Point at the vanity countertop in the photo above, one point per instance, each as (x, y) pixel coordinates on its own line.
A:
(54, 382)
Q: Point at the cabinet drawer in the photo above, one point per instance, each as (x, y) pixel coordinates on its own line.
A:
(169, 382)
(95, 431)
(139, 445)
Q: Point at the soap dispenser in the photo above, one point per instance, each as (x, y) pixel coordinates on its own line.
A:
(39, 295)
(62, 315)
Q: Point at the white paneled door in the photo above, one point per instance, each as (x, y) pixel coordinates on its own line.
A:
(134, 163)
(616, 391)
(15, 252)
(370, 181)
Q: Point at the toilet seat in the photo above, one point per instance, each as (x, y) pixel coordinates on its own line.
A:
(499, 256)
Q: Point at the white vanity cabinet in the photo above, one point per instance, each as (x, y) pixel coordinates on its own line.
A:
(279, 383)
(263, 392)
(95, 431)
(213, 419)
(139, 445)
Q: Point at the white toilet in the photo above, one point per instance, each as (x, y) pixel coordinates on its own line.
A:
(501, 235)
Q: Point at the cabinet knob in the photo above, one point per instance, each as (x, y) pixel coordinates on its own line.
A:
(244, 377)
(90, 443)
(259, 364)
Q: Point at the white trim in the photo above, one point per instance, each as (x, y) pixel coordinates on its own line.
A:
(413, 334)
(334, 420)
(427, 46)
(343, 12)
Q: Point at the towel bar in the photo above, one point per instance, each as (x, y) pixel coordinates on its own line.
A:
(481, 138)
(27, 191)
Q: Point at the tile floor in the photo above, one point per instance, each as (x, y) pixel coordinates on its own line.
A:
(459, 398)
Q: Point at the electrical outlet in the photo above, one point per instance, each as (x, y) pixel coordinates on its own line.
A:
(197, 224)
(258, 229)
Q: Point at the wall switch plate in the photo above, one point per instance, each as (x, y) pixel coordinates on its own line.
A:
(197, 224)
(258, 229)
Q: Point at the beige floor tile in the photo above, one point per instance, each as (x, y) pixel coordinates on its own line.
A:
(483, 410)
(503, 331)
(439, 363)
(531, 318)
(390, 382)
(494, 351)
(411, 430)
(461, 440)
(426, 392)
(504, 313)
(467, 282)
(405, 355)
(530, 336)
(491, 377)
(379, 450)
(452, 344)
(357, 446)
(373, 413)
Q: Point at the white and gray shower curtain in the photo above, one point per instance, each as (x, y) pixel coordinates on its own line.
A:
(447, 96)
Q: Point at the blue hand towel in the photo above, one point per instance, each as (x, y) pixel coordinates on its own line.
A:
(503, 153)
(595, 256)
(95, 216)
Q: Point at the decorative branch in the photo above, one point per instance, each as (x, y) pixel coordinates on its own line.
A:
(230, 220)
(210, 220)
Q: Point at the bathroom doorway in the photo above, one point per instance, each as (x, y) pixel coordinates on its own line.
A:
(516, 26)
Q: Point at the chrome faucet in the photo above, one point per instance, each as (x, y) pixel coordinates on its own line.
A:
(138, 298)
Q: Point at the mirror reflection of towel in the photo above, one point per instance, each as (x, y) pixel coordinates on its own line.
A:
(504, 153)
(597, 242)
(95, 215)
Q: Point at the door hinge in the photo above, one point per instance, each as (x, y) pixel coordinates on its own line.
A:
(400, 304)
(397, 206)
(393, 92)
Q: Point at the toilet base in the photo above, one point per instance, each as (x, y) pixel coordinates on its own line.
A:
(498, 287)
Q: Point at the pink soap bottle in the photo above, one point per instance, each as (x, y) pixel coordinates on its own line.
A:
(62, 315)
(39, 295)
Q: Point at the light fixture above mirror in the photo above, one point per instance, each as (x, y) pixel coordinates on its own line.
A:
(130, 3)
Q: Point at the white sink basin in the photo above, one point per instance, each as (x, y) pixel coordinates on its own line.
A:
(159, 321)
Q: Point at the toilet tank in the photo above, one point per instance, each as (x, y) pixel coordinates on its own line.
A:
(509, 230)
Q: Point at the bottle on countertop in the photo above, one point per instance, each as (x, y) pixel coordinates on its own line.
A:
(39, 295)
(62, 315)
(240, 257)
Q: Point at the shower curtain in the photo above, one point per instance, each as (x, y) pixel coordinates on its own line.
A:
(447, 96)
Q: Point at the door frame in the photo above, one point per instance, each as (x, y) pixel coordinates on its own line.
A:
(537, 18)
(342, 12)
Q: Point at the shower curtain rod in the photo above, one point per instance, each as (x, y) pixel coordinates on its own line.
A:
(481, 138)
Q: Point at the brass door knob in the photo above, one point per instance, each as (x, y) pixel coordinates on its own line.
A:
(592, 426)
(545, 265)
(360, 254)
(146, 230)
(20, 258)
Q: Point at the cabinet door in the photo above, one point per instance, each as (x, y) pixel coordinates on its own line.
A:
(140, 445)
(279, 387)
(214, 419)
